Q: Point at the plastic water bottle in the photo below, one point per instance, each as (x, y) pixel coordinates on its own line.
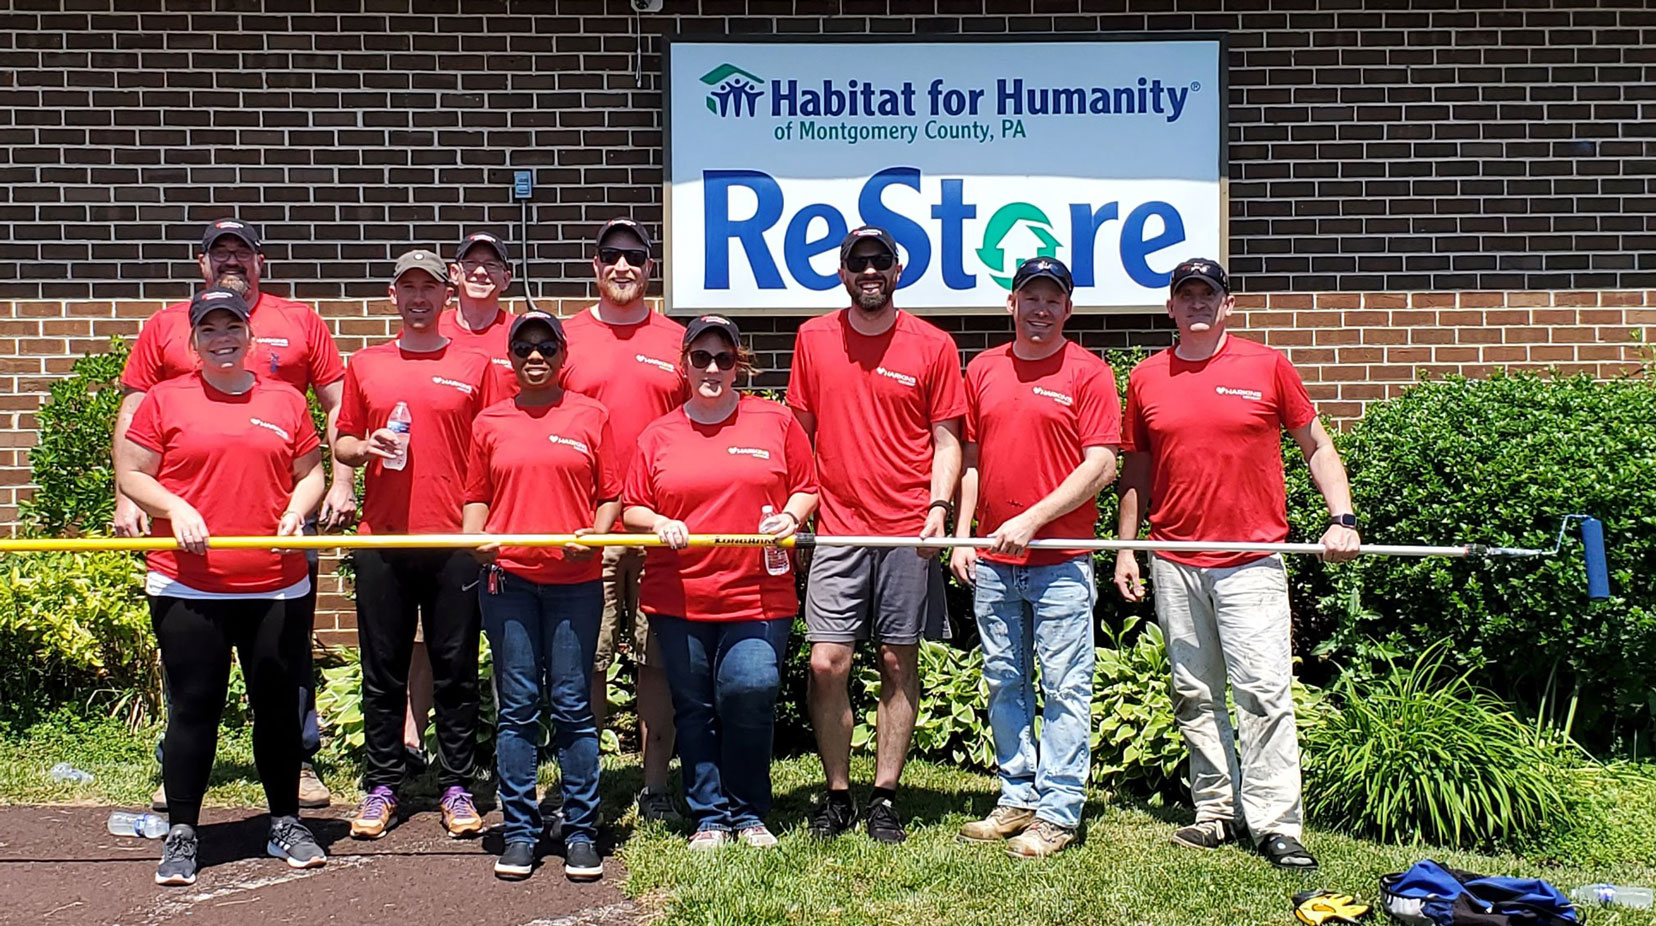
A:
(400, 422)
(776, 558)
(63, 771)
(1620, 895)
(147, 825)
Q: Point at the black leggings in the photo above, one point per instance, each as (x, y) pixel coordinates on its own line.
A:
(272, 640)
(439, 588)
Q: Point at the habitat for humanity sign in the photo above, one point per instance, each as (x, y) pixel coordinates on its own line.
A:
(1104, 153)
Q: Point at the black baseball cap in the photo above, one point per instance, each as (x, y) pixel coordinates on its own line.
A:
(535, 315)
(610, 227)
(1050, 268)
(214, 298)
(705, 323)
(483, 238)
(236, 228)
(867, 231)
(1200, 268)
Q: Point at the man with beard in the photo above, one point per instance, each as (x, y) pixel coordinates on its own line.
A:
(1203, 432)
(880, 393)
(481, 273)
(626, 356)
(291, 344)
(413, 485)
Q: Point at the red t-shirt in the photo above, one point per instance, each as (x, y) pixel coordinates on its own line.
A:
(445, 389)
(1031, 419)
(716, 479)
(231, 457)
(490, 340)
(291, 344)
(632, 369)
(543, 470)
(1213, 429)
(875, 400)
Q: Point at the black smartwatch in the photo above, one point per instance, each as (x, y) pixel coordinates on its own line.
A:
(1344, 520)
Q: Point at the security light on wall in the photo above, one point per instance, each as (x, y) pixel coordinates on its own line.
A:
(647, 6)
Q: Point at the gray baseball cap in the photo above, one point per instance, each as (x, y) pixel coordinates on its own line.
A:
(421, 259)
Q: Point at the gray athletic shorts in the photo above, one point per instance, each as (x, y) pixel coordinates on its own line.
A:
(887, 595)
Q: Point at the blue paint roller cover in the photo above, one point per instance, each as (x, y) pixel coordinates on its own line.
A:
(1598, 575)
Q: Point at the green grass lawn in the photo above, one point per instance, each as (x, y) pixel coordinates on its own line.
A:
(1125, 872)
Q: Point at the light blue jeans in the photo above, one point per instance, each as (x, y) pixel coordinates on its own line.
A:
(1025, 613)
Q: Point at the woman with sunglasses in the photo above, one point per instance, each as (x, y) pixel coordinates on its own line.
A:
(543, 462)
(221, 451)
(716, 466)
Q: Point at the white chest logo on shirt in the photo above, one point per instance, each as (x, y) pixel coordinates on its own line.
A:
(501, 360)
(903, 378)
(467, 388)
(260, 422)
(569, 442)
(655, 363)
(1058, 397)
(750, 452)
(272, 342)
(1253, 394)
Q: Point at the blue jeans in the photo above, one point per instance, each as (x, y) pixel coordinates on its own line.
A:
(1026, 613)
(724, 676)
(543, 638)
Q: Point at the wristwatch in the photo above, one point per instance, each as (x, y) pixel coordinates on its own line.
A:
(1344, 520)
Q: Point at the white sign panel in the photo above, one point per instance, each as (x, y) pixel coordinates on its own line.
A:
(975, 156)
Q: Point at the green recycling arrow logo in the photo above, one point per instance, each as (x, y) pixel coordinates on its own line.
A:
(1001, 224)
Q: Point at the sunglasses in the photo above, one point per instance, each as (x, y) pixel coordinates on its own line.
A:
(699, 359)
(635, 256)
(857, 263)
(546, 348)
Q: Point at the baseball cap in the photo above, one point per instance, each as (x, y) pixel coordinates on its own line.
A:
(215, 298)
(545, 318)
(612, 225)
(704, 323)
(1050, 268)
(236, 228)
(484, 238)
(419, 259)
(1200, 268)
(867, 231)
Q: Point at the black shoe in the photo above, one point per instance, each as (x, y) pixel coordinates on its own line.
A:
(516, 863)
(883, 823)
(831, 819)
(582, 862)
(178, 857)
(1208, 834)
(1287, 852)
(291, 842)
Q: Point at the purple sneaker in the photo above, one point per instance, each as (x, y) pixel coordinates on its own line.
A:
(460, 816)
(376, 814)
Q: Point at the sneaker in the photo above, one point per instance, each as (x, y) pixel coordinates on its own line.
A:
(313, 794)
(460, 816)
(291, 842)
(831, 819)
(516, 862)
(376, 814)
(158, 800)
(883, 823)
(178, 857)
(582, 861)
(1205, 834)
(757, 836)
(552, 813)
(1002, 822)
(1040, 840)
(708, 840)
(1287, 852)
(657, 806)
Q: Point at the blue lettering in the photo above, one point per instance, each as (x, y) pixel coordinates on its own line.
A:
(1084, 225)
(798, 248)
(1135, 247)
(951, 211)
(908, 234)
(719, 229)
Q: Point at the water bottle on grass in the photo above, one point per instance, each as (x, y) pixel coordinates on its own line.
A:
(1618, 895)
(63, 771)
(147, 825)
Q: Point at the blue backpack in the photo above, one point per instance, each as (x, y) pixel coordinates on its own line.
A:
(1429, 894)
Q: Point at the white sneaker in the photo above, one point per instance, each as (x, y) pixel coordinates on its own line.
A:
(709, 840)
(757, 836)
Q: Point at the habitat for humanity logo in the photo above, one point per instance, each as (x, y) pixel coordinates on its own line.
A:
(734, 90)
(1001, 225)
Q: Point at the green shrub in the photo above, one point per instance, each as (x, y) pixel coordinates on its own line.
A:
(953, 720)
(70, 464)
(1500, 462)
(1423, 753)
(1135, 738)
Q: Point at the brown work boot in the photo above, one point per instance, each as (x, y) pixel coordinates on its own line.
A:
(1002, 822)
(1042, 839)
(312, 792)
